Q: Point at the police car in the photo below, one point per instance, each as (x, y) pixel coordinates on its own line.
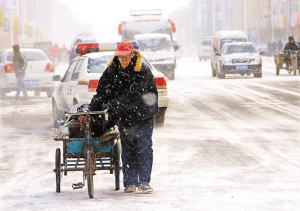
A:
(80, 81)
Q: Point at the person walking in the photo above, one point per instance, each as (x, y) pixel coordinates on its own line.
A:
(19, 65)
(56, 51)
(127, 90)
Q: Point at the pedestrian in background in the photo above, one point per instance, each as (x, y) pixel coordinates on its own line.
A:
(19, 65)
(128, 90)
(73, 54)
(56, 51)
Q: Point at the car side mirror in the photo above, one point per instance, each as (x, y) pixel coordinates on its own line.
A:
(56, 78)
(176, 48)
(217, 54)
(262, 52)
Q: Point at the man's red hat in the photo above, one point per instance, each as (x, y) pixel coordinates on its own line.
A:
(124, 48)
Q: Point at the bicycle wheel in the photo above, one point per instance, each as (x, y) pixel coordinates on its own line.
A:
(57, 169)
(89, 172)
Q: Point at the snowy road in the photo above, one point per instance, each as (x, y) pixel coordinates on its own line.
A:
(230, 144)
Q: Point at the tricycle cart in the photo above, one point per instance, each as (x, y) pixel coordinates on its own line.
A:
(291, 65)
(88, 146)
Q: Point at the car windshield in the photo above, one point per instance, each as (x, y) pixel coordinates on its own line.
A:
(154, 44)
(206, 43)
(223, 41)
(230, 49)
(29, 55)
(98, 64)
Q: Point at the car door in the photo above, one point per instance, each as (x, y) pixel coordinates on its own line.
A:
(73, 83)
(67, 86)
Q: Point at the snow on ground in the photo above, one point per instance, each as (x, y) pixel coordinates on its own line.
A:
(230, 144)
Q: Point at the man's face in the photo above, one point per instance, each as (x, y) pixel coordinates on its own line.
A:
(125, 60)
(292, 41)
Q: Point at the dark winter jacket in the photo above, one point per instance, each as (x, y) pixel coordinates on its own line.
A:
(130, 93)
(290, 46)
(19, 63)
(73, 54)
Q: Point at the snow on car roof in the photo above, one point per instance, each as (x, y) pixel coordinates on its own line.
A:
(239, 43)
(97, 54)
(152, 35)
(230, 34)
(25, 49)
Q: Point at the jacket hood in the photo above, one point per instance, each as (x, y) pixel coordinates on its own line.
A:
(138, 63)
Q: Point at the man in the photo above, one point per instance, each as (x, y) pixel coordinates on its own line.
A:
(19, 64)
(128, 90)
(73, 54)
(291, 45)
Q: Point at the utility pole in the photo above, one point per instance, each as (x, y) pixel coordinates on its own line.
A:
(11, 25)
(245, 18)
(213, 18)
(272, 20)
(228, 15)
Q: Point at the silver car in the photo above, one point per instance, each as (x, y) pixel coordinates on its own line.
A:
(38, 73)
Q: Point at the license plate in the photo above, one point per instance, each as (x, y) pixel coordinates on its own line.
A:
(242, 67)
(32, 82)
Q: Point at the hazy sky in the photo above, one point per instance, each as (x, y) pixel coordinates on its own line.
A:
(106, 15)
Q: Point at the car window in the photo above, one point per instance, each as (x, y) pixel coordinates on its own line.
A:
(29, 55)
(230, 49)
(69, 72)
(99, 64)
(206, 43)
(154, 44)
(76, 71)
(46, 46)
(223, 41)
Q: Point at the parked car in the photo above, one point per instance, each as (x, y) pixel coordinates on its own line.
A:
(204, 48)
(80, 81)
(219, 39)
(263, 49)
(38, 77)
(239, 58)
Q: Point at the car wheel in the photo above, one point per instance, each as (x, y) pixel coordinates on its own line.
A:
(172, 76)
(2, 94)
(277, 69)
(37, 93)
(214, 72)
(159, 119)
(221, 73)
(258, 75)
(57, 114)
(50, 92)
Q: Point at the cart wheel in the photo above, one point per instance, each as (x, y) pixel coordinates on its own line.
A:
(89, 172)
(277, 69)
(295, 68)
(57, 169)
(117, 164)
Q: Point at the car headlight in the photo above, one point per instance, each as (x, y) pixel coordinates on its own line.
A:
(256, 61)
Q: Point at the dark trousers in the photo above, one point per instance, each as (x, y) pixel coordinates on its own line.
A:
(21, 85)
(137, 153)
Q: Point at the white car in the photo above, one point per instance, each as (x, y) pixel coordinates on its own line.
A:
(38, 74)
(239, 58)
(204, 48)
(79, 83)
